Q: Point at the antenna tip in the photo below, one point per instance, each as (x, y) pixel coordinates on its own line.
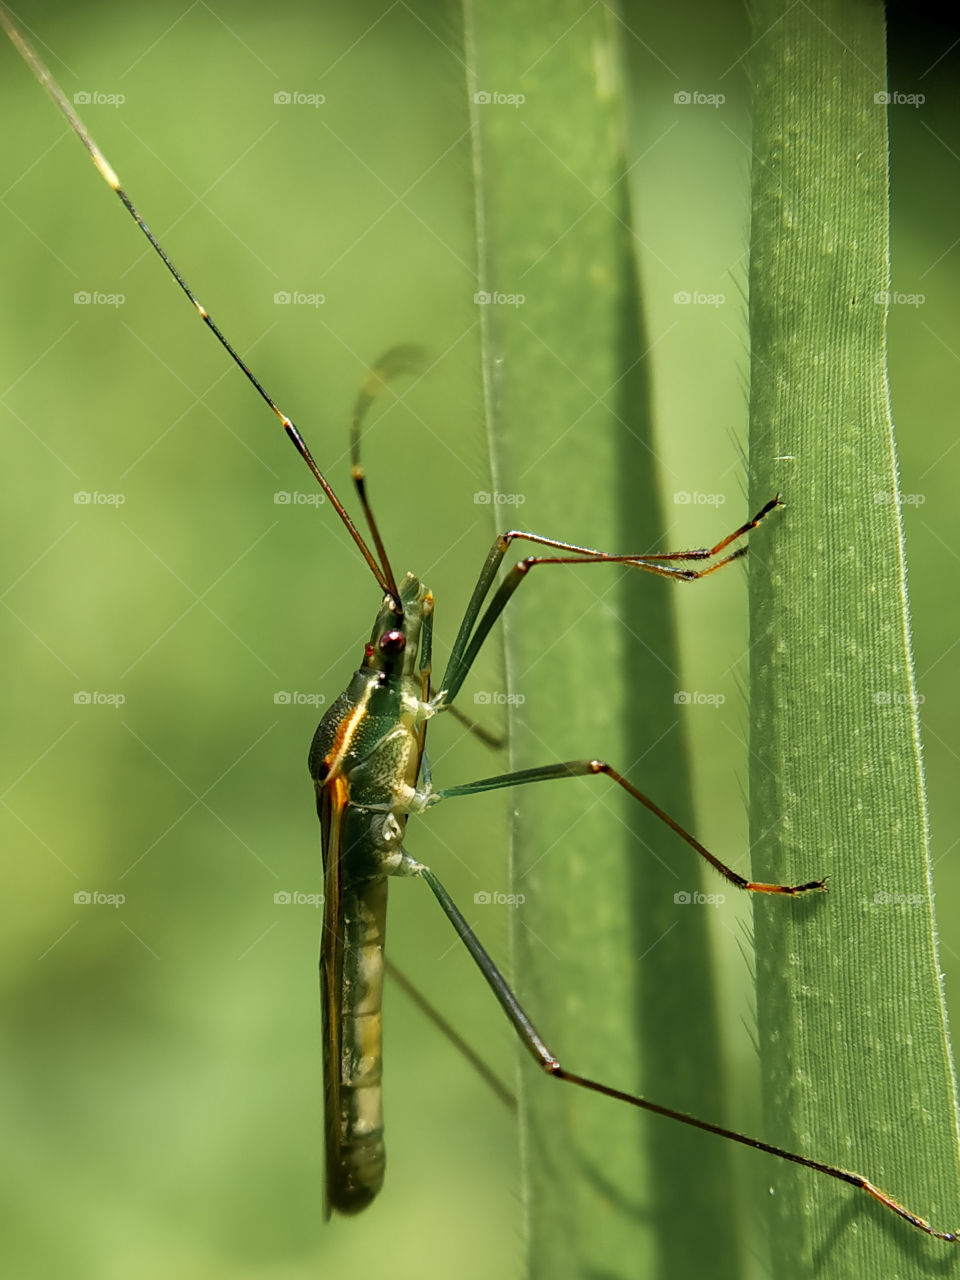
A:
(103, 164)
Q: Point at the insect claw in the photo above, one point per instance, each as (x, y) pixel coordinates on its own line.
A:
(810, 885)
(793, 890)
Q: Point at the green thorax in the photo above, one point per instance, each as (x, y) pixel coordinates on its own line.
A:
(364, 736)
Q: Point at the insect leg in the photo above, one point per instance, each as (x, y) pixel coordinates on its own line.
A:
(440, 1022)
(426, 658)
(584, 768)
(550, 1064)
(495, 740)
(472, 633)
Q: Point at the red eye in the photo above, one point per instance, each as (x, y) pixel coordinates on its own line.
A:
(368, 650)
(393, 642)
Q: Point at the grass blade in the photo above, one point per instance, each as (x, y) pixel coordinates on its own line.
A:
(856, 1064)
(610, 967)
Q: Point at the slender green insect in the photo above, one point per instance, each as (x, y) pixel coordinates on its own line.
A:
(371, 772)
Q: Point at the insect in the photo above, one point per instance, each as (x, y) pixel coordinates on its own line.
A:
(370, 773)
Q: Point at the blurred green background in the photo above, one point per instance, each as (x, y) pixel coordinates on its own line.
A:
(161, 1088)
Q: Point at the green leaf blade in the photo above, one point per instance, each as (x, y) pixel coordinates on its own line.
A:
(614, 973)
(855, 1059)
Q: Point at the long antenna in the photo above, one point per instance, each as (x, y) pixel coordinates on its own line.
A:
(383, 575)
(396, 361)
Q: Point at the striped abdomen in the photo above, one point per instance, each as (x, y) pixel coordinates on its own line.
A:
(352, 1040)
